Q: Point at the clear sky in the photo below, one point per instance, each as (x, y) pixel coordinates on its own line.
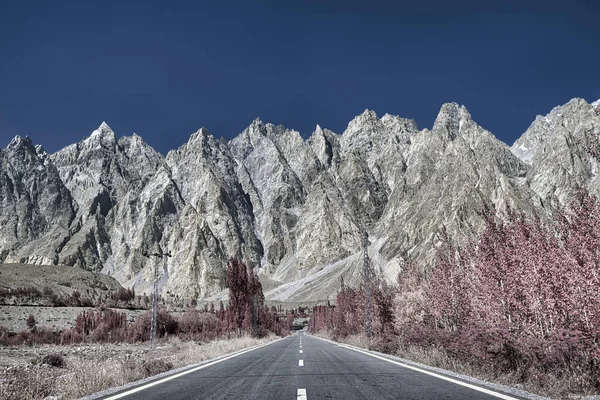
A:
(163, 70)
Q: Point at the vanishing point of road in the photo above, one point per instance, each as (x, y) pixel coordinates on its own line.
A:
(304, 367)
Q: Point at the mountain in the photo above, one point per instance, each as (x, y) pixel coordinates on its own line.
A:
(295, 209)
(563, 150)
(36, 209)
(454, 172)
(99, 173)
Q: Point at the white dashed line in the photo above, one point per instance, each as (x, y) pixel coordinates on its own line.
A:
(301, 394)
(300, 351)
(301, 363)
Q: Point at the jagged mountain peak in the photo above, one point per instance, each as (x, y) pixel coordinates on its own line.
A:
(134, 140)
(564, 117)
(20, 141)
(368, 113)
(202, 143)
(572, 106)
(201, 134)
(322, 132)
(103, 130)
(450, 119)
(24, 154)
(262, 128)
(104, 135)
(395, 122)
(367, 118)
(561, 150)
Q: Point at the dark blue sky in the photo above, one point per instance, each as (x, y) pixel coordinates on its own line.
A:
(164, 70)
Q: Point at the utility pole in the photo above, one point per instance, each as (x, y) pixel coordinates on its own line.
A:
(367, 285)
(155, 291)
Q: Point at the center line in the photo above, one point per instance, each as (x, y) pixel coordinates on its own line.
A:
(301, 394)
(301, 363)
(300, 351)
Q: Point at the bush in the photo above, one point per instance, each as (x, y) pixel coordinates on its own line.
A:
(124, 295)
(199, 326)
(140, 329)
(387, 342)
(155, 367)
(70, 336)
(54, 360)
(31, 322)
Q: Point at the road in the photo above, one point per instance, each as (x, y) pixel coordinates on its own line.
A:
(305, 367)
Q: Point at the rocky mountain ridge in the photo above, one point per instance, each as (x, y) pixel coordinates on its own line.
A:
(293, 208)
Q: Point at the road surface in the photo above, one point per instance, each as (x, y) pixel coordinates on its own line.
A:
(303, 367)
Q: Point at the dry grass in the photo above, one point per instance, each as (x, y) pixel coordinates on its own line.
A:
(88, 372)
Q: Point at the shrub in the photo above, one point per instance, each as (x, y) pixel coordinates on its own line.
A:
(54, 360)
(156, 366)
(140, 329)
(70, 336)
(31, 322)
(387, 342)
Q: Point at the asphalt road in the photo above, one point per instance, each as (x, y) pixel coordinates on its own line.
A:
(305, 367)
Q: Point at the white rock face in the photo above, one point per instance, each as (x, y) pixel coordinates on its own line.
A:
(294, 208)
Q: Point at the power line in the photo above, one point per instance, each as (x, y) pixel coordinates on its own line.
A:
(367, 285)
(164, 257)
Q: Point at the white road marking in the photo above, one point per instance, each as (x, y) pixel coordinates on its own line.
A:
(301, 394)
(300, 351)
(424, 371)
(189, 371)
(301, 363)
